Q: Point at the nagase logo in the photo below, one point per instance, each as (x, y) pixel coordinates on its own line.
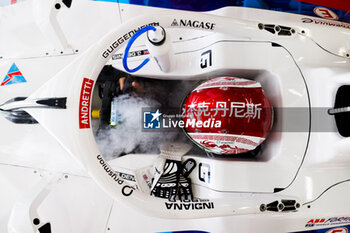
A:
(193, 24)
(84, 103)
(338, 230)
(325, 13)
(327, 222)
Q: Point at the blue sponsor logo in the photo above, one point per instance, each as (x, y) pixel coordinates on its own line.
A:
(152, 120)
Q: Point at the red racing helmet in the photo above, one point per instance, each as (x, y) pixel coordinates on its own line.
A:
(228, 115)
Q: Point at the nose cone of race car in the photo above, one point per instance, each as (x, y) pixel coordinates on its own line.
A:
(228, 115)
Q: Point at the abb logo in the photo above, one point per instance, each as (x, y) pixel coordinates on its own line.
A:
(317, 220)
(325, 13)
(338, 230)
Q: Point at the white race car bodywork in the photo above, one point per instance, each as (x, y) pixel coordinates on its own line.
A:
(53, 171)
